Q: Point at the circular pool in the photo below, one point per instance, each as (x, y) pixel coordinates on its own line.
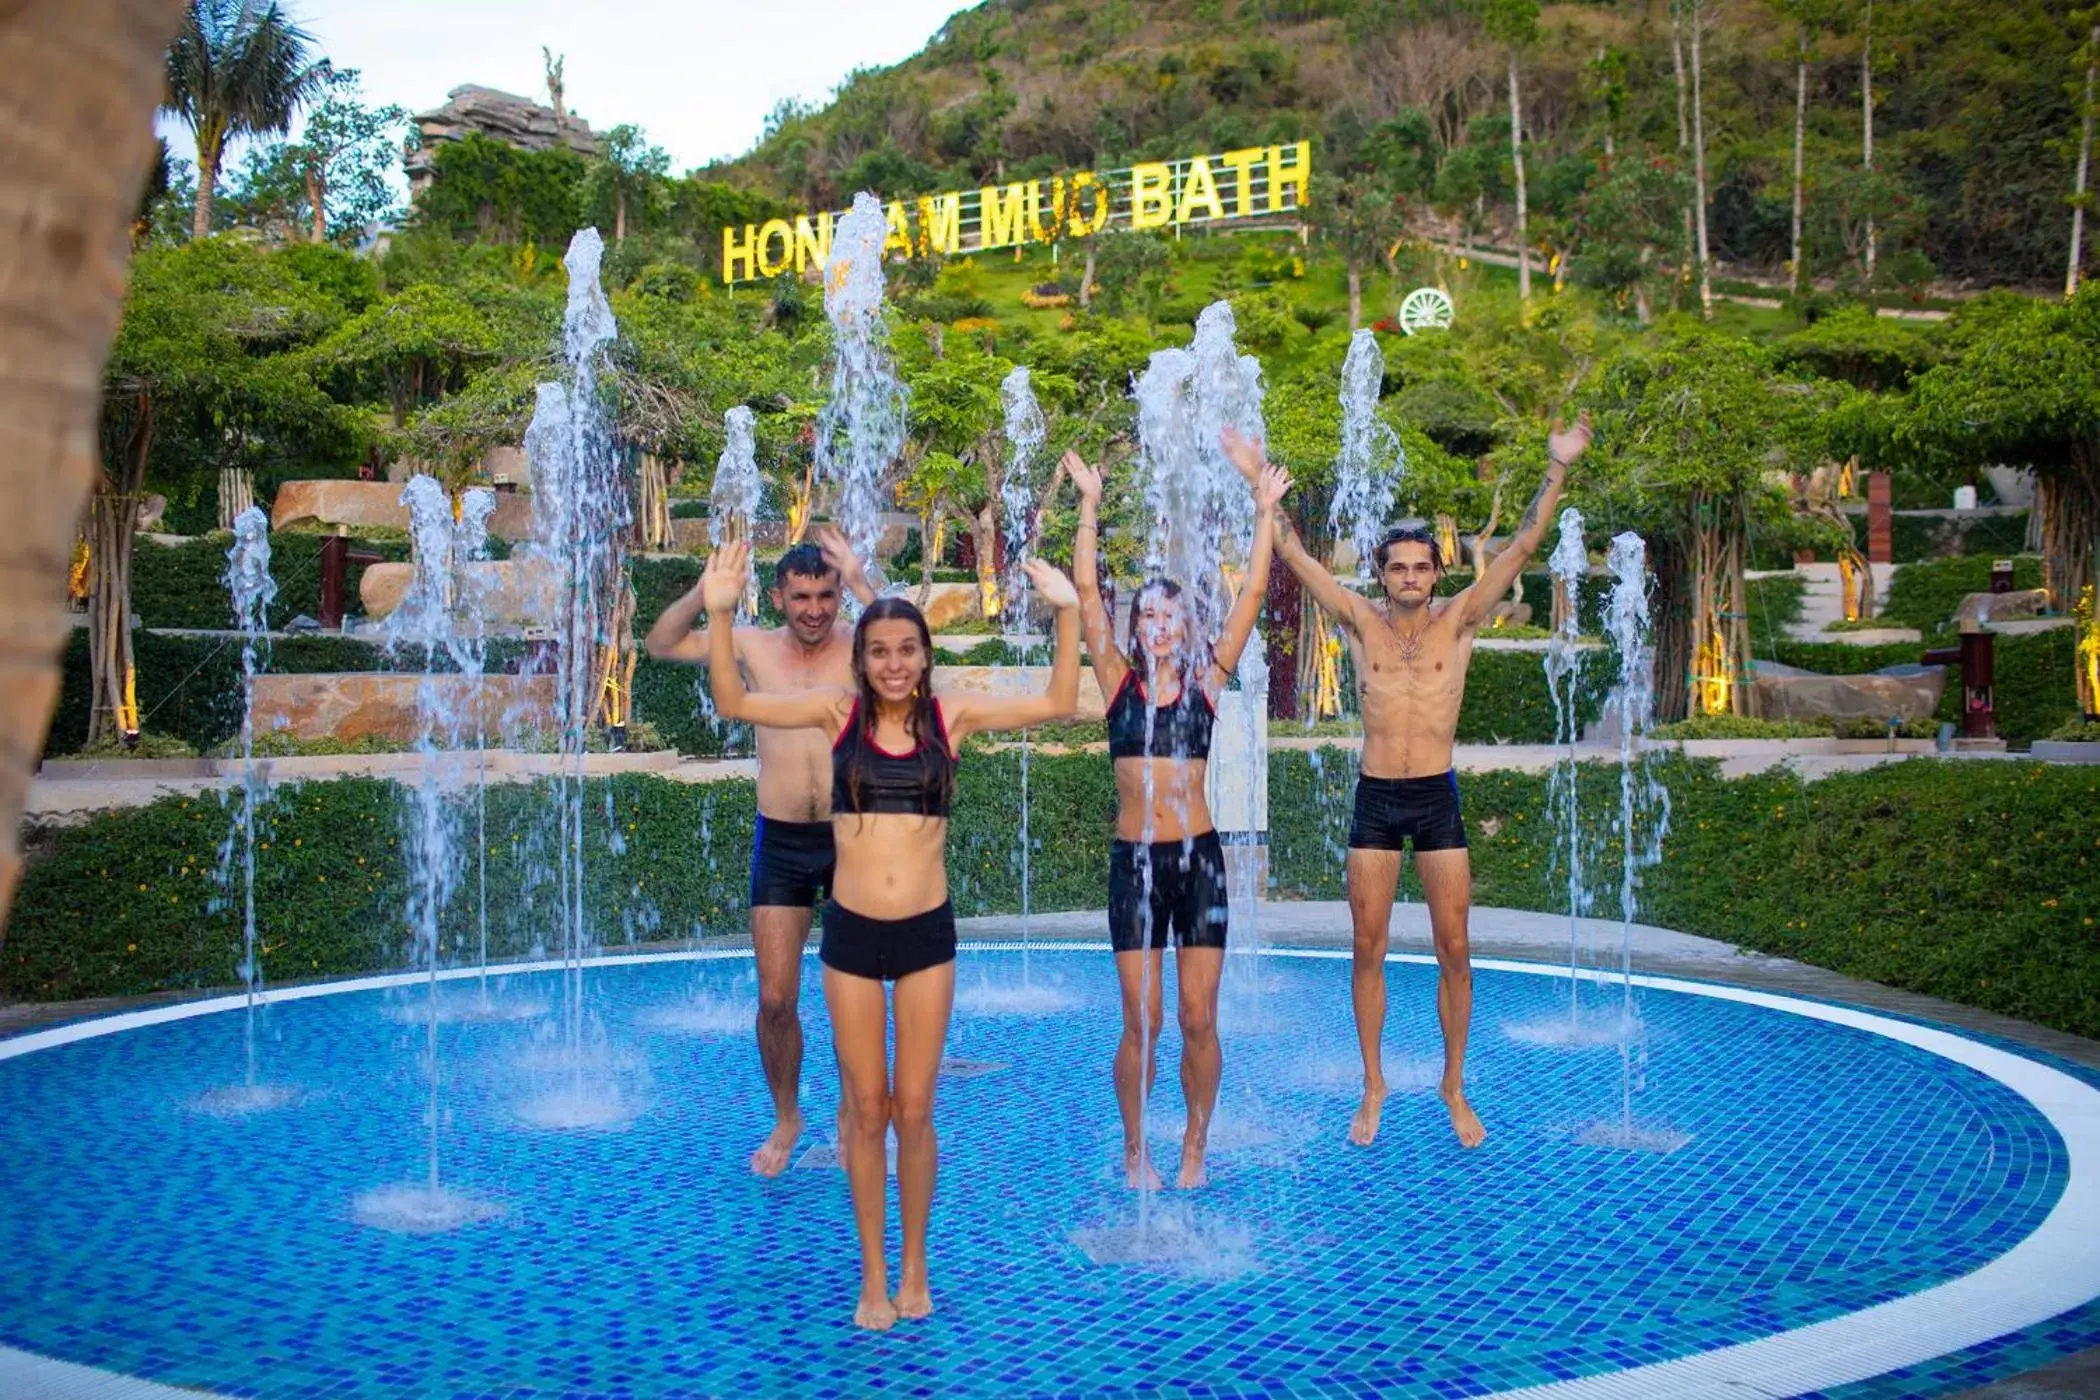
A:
(1827, 1195)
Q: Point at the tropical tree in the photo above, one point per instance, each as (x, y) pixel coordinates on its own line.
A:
(2025, 391)
(1810, 19)
(952, 463)
(236, 68)
(1692, 428)
(1515, 25)
(202, 377)
(1361, 208)
(629, 176)
(410, 349)
(344, 154)
(2086, 111)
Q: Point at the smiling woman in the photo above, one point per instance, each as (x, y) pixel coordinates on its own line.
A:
(894, 752)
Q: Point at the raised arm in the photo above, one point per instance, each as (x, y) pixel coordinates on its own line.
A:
(852, 569)
(722, 586)
(1328, 591)
(672, 637)
(1110, 664)
(1563, 446)
(1254, 589)
(975, 714)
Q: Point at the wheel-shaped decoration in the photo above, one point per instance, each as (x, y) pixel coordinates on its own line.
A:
(1425, 308)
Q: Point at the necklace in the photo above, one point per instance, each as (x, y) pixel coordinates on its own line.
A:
(1410, 647)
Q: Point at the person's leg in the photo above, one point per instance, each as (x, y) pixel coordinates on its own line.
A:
(779, 933)
(1373, 877)
(858, 1020)
(1138, 972)
(1202, 1061)
(1447, 888)
(923, 1001)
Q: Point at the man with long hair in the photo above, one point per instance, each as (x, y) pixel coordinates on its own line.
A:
(1411, 651)
(791, 852)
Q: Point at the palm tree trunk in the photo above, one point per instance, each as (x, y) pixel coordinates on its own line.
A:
(1866, 105)
(1356, 297)
(2085, 160)
(1516, 157)
(1800, 269)
(208, 155)
(1086, 277)
(84, 77)
(1706, 281)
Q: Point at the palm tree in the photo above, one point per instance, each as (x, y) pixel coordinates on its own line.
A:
(236, 68)
(68, 192)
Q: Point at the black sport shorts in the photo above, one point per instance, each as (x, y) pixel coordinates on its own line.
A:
(886, 949)
(1186, 894)
(791, 863)
(1390, 811)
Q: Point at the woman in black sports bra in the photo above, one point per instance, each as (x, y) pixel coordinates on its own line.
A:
(1166, 870)
(889, 920)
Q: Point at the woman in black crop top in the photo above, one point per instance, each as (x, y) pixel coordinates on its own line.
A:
(1166, 868)
(892, 771)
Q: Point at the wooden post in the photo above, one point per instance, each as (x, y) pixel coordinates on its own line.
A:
(1880, 546)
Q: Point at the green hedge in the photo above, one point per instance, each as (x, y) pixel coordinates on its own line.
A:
(183, 585)
(1972, 881)
(1918, 537)
(2034, 686)
(1924, 595)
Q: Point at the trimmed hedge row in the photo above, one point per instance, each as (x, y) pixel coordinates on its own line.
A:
(1977, 882)
(183, 585)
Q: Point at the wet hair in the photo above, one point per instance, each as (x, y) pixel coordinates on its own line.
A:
(923, 722)
(803, 561)
(1409, 534)
(1140, 659)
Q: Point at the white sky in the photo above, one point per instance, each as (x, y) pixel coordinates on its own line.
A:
(697, 77)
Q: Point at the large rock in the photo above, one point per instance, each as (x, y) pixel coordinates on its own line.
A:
(1016, 681)
(1901, 692)
(501, 116)
(948, 604)
(352, 705)
(519, 592)
(1979, 608)
(378, 503)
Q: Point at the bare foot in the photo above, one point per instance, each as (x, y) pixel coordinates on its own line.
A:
(1139, 1172)
(914, 1300)
(771, 1159)
(1464, 1121)
(876, 1313)
(1193, 1172)
(1363, 1128)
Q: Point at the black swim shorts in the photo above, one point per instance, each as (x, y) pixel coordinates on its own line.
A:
(1390, 811)
(886, 949)
(791, 863)
(1167, 887)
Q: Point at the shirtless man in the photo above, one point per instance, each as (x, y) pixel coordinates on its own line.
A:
(1411, 652)
(791, 854)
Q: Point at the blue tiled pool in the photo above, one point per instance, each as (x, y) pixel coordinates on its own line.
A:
(1830, 1168)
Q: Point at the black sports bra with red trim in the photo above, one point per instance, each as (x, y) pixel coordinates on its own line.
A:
(867, 778)
(1179, 730)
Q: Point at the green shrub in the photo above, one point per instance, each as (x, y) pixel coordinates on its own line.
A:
(1867, 727)
(2077, 731)
(1916, 537)
(1741, 727)
(183, 585)
(1969, 881)
(1925, 595)
(148, 745)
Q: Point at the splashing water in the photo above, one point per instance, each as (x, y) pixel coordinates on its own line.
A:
(248, 580)
(1368, 468)
(1026, 431)
(581, 515)
(1644, 820)
(860, 429)
(1569, 565)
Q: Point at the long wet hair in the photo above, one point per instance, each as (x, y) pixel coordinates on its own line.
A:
(923, 720)
(1194, 653)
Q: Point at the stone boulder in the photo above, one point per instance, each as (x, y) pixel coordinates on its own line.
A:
(1977, 609)
(1903, 692)
(516, 592)
(501, 116)
(948, 604)
(354, 705)
(378, 503)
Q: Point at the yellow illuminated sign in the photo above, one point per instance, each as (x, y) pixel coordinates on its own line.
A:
(1252, 183)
